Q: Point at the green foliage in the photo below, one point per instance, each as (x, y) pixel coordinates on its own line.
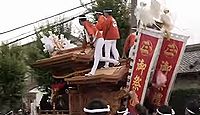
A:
(120, 13)
(34, 52)
(12, 73)
(179, 98)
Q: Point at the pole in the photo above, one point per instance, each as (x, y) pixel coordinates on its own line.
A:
(133, 20)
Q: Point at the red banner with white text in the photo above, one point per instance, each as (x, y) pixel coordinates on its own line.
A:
(144, 60)
(164, 75)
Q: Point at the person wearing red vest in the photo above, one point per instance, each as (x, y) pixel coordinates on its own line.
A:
(110, 34)
(129, 42)
(101, 20)
(98, 42)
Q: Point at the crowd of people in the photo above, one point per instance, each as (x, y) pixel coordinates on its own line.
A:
(98, 107)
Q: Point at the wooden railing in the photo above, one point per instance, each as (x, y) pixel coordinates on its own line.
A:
(53, 112)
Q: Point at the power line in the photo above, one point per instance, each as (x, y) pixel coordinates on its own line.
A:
(45, 18)
(50, 26)
(19, 35)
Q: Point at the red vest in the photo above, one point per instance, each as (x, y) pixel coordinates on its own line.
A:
(110, 29)
(130, 40)
(92, 30)
(101, 22)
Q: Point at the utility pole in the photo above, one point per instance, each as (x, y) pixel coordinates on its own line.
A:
(133, 20)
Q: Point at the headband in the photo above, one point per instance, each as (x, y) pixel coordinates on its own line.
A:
(97, 110)
(125, 112)
(173, 112)
(107, 10)
(82, 17)
(98, 12)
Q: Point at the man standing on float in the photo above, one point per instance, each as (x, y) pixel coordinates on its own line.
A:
(97, 41)
(110, 34)
(101, 21)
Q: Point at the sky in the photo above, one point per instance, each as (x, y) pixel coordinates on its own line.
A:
(187, 18)
(15, 13)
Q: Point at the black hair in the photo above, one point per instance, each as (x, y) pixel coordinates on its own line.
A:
(165, 109)
(83, 15)
(96, 104)
(82, 18)
(100, 11)
(194, 106)
(141, 110)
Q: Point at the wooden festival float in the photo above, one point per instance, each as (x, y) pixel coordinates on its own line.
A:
(154, 59)
(71, 65)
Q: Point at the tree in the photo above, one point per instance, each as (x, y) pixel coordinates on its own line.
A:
(12, 73)
(120, 13)
(34, 52)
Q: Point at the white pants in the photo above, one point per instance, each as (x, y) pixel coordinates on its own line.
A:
(98, 55)
(110, 45)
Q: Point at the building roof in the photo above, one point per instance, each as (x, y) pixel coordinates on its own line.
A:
(191, 59)
(65, 58)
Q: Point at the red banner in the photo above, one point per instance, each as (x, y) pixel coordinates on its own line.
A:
(142, 66)
(167, 64)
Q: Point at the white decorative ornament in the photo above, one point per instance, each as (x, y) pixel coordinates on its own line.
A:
(167, 21)
(48, 44)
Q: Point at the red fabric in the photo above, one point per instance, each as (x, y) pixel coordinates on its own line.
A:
(169, 56)
(101, 22)
(142, 66)
(110, 29)
(130, 40)
(57, 85)
(91, 29)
